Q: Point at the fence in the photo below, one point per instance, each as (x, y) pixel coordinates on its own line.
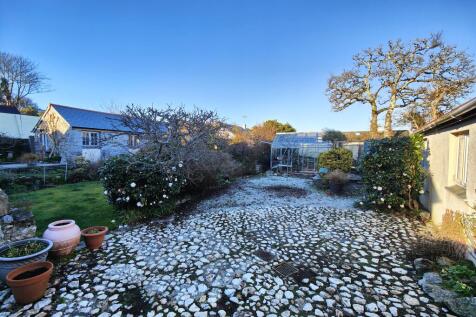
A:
(23, 177)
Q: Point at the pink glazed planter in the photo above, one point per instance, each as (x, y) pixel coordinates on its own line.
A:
(65, 235)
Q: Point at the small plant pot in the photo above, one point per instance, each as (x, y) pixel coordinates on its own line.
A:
(94, 236)
(8, 264)
(65, 235)
(29, 282)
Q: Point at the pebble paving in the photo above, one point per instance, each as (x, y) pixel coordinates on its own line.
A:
(221, 260)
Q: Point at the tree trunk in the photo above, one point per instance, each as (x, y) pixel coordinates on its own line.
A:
(374, 122)
(388, 132)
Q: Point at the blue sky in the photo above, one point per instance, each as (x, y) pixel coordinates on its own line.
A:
(249, 60)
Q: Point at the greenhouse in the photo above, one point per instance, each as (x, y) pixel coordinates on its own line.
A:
(297, 152)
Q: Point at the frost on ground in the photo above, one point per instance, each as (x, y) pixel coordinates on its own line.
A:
(221, 261)
(252, 192)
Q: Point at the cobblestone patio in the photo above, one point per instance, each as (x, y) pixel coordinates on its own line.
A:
(349, 262)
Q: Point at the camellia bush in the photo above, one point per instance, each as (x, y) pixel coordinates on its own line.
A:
(336, 159)
(392, 173)
(141, 183)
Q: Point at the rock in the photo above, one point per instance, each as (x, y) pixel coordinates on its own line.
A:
(438, 293)
(399, 270)
(4, 207)
(7, 219)
(422, 265)
(358, 308)
(463, 306)
(372, 307)
(412, 301)
(42, 303)
(289, 295)
(307, 307)
(430, 278)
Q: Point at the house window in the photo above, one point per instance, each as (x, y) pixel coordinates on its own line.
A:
(461, 159)
(90, 138)
(133, 140)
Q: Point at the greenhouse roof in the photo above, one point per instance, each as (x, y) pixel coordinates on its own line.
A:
(295, 139)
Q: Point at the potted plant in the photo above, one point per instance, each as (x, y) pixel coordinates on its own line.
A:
(65, 235)
(29, 282)
(94, 236)
(21, 252)
(337, 179)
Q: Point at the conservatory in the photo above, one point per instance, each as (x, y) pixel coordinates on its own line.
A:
(297, 152)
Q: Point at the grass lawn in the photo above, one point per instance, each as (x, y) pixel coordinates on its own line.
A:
(83, 202)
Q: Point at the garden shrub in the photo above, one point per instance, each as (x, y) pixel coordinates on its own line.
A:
(246, 155)
(83, 170)
(461, 278)
(338, 158)
(28, 158)
(212, 169)
(141, 183)
(392, 173)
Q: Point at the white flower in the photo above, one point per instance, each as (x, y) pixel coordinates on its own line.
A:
(401, 206)
(180, 165)
(160, 201)
(105, 192)
(382, 199)
(139, 204)
(361, 203)
(173, 168)
(409, 186)
(127, 198)
(421, 191)
(389, 206)
(375, 187)
(170, 184)
(379, 188)
(165, 196)
(133, 184)
(404, 174)
(113, 221)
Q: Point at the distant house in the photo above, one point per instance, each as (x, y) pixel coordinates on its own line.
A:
(15, 125)
(76, 132)
(451, 162)
(16, 136)
(355, 140)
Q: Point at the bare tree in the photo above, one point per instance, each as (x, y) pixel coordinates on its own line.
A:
(51, 126)
(173, 128)
(173, 134)
(20, 78)
(450, 77)
(423, 73)
(359, 85)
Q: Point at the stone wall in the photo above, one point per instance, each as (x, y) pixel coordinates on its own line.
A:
(15, 224)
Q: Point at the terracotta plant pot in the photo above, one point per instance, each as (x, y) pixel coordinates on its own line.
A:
(29, 282)
(93, 239)
(65, 235)
(9, 264)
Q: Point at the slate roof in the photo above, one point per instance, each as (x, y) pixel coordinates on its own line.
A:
(8, 109)
(295, 139)
(90, 119)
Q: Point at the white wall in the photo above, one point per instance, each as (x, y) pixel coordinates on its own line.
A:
(440, 194)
